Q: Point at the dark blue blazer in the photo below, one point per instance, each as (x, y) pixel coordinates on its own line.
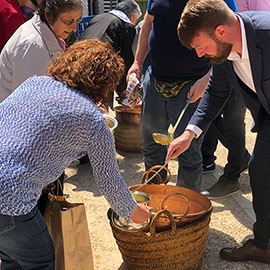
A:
(224, 79)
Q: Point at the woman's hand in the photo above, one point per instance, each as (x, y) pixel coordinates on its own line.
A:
(102, 108)
(140, 214)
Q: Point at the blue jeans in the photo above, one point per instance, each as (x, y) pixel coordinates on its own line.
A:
(157, 114)
(25, 242)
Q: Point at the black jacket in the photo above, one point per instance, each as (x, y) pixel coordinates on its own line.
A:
(118, 33)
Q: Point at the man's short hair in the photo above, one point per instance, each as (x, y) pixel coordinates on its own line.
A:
(202, 16)
(129, 7)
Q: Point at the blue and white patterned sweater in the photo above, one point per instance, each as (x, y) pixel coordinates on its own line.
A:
(44, 125)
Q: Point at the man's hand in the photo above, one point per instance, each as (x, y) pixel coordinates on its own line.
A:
(140, 214)
(137, 68)
(180, 144)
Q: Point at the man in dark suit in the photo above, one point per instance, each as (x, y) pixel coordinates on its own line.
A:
(238, 45)
(118, 28)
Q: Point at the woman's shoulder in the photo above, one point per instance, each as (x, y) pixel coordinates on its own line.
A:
(24, 38)
(58, 96)
(61, 91)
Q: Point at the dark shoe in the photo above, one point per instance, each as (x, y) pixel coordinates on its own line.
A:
(208, 168)
(224, 187)
(246, 252)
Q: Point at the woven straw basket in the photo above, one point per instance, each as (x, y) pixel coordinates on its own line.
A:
(179, 248)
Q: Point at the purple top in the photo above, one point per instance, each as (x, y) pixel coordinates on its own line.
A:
(254, 5)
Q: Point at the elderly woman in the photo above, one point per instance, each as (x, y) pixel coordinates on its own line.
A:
(36, 42)
(46, 123)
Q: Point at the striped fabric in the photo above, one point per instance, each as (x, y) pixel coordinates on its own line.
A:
(44, 125)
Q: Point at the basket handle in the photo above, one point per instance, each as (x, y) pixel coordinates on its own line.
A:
(154, 221)
(158, 167)
(177, 194)
(157, 176)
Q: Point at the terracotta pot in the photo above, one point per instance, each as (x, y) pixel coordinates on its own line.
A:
(127, 135)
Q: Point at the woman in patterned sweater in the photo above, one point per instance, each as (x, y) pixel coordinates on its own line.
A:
(46, 123)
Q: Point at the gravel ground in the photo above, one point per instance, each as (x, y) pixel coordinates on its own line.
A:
(230, 224)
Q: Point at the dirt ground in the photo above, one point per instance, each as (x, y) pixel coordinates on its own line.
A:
(230, 223)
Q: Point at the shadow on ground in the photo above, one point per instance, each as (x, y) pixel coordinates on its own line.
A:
(130, 166)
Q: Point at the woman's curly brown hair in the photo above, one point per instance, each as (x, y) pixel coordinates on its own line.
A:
(90, 66)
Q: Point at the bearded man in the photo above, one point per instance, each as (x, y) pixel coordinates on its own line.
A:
(238, 45)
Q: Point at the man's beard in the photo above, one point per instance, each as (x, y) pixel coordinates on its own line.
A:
(223, 51)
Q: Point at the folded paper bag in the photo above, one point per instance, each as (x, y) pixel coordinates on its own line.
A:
(67, 225)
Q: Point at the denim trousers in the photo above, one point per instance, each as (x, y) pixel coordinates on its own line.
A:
(158, 112)
(25, 242)
(260, 184)
(229, 129)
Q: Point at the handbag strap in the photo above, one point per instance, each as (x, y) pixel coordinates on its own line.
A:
(56, 196)
(59, 184)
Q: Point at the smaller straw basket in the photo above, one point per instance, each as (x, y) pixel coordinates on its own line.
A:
(179, 248)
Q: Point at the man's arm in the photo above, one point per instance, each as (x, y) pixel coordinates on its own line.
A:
(210, 106)
(142, 48)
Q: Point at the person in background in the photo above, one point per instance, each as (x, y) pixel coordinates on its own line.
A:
(255, 5)
(238, 45)
(45, 124)
(175, 74)
(28, 7)
(118, 28)
(37, 42)
(13, 13)
(11, 17)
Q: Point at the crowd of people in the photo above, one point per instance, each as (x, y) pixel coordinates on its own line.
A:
(49, 115)
(49, 120)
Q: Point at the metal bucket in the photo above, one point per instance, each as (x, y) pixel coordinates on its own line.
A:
(131, 226)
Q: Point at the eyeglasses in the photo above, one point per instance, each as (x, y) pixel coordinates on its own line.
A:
(70, 22)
